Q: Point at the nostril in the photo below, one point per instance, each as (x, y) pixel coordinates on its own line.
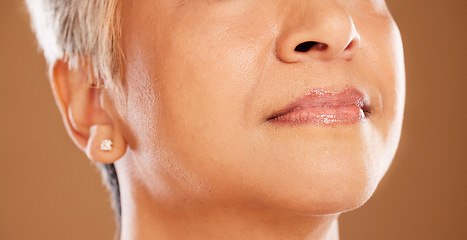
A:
(349, 46)
(306, 46)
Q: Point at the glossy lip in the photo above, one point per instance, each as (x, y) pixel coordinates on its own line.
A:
(326, 107)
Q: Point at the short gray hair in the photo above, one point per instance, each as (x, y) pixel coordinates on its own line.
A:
(77, 29)
(74, 30)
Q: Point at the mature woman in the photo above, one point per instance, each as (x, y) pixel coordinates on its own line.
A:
(245, 119)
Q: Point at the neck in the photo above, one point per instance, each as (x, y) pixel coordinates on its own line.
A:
(142, 221)
(148, 217)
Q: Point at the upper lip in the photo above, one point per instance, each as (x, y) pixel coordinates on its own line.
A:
(322, 98)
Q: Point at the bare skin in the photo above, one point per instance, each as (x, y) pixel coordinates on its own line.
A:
(196, 154)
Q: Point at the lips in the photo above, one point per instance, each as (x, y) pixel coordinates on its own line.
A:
(324, 107)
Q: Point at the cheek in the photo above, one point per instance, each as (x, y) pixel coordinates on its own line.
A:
(189, 98)
(384, 55)
(205, 107)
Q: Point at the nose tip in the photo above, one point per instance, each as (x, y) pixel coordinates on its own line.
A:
(329, 35)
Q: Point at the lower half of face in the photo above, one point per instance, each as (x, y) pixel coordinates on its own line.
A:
(206, 85)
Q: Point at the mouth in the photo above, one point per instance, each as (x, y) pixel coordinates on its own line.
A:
(323, 107)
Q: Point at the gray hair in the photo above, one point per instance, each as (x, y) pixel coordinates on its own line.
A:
(74, 30)
(77, 29)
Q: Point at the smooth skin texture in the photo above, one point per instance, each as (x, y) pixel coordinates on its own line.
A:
(196, 157)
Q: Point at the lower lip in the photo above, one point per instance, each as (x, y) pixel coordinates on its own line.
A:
(322, 115)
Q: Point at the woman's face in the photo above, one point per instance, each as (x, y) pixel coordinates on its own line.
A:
(208, 79)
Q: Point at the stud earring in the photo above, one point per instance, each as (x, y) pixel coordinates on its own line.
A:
(106, 145)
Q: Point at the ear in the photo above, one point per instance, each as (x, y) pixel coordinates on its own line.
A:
(87, 112)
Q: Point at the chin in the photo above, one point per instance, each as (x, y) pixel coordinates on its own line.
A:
(325, 171)
(328, 199)
(324, 186)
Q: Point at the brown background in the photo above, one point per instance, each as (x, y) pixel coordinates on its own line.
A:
(49, 190)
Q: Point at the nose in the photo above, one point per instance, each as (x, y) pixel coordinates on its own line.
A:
(317, 29)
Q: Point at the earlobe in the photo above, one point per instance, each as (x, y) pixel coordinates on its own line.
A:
(105, 144)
